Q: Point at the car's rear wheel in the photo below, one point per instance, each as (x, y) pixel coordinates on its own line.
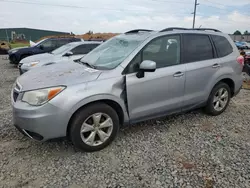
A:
(218, 100)
(94, 127)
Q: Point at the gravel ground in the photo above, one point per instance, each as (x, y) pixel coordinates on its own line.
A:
(191, 150)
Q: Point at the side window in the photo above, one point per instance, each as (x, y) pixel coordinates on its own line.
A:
(62, 42)
(197, 48)
(223, 47)
(165, 51)
(93, 46)
(82, 49)
(49, 43)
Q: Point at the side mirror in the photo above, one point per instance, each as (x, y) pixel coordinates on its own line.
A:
(68, 54)
(41, 47)
(146, 66)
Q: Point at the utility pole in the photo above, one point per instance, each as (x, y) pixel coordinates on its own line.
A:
(195, 5)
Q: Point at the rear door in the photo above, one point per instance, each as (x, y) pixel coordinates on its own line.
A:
(160, 92)
(202, 64)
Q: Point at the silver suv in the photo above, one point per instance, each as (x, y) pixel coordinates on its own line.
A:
(135, 76)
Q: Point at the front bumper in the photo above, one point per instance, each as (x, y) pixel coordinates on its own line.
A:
(40, 123)
(13, 59)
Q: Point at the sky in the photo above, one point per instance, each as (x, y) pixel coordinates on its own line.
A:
(80, 16)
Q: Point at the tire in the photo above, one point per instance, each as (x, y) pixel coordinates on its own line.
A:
(211, 105)
(24, 56)
(86, 115)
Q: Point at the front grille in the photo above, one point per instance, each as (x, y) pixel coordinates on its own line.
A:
(15, 95)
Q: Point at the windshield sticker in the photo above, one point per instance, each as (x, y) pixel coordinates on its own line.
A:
(90, 70)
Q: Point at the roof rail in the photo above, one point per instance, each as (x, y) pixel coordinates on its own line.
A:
(208, 29)
(138, 30)
(173, 28)
(181, 28)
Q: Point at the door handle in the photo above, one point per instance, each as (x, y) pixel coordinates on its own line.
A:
(178, 74)
(216, 65)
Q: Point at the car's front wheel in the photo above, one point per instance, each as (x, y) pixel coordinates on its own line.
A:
(94, 127)
(219, 99)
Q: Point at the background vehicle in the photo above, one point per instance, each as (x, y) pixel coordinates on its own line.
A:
(246, 45)
(240, 45)
(132, 77)
(69, 52)
(46, 45)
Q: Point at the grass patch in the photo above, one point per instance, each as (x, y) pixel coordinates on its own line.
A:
(17, 45)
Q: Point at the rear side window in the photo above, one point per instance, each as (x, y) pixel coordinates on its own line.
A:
(197, 48)
(223, 47)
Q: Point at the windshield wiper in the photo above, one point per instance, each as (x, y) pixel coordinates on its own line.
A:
(89, 65)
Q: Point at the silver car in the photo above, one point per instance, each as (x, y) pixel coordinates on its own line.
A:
(132, 77)
(69, 52)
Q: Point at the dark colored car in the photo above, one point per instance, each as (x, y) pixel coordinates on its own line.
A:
(47, 45)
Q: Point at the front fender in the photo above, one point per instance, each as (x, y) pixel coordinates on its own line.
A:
(100, 97)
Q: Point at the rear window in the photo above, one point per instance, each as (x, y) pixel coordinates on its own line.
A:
(197, 48)
(222, 45)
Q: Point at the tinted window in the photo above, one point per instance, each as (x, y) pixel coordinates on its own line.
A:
(197, 48)
(223, 47)
(62, 49)
(62, 42)
(165, 51)
(93, 46)
(49, 44)
(82, 49)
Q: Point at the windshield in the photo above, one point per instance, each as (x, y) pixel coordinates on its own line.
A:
(112, 52)
(63, 49)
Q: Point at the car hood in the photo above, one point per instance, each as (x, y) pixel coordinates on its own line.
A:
(57, 74)
(38, 57)
(18, 48)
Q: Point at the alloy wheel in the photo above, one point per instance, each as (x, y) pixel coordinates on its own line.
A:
(220, 99)
(96, 129)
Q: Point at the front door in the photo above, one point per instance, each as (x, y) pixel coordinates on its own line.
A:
(160, 92)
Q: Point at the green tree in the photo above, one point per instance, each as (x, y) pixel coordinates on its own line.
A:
(246, 32)
(237, 32)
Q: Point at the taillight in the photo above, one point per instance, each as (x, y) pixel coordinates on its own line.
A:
(240, 60)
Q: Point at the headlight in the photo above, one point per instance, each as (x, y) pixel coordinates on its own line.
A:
(14, 51)
(41, 96)
(32, 64)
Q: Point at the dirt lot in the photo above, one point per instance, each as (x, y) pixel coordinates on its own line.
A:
(191, 150)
